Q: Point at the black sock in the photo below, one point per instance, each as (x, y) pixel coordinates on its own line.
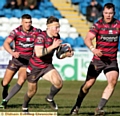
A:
(80, 97)
(102, 103)
(53, 92)
(26, 101)
(5, 90)
(13, 91)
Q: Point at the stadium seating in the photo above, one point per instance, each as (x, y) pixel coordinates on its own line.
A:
(79, 42)
(63, 35)
(2, 3)
(7, 12)
(27, 11)
(57, 14)
(36, 13)
(10, 19)
(1, 40)
(14, 20)
(71, 41)
(82, 7)
(73, 35)
(16, 13)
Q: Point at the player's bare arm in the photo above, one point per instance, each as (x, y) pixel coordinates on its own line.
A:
(88, 41)
(8, 48)
(41, 51)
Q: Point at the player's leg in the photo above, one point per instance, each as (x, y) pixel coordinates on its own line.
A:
(84, 89)
(10, 71)
(21, 79)
(32, 88)
(54, 77)
(112, 78)
(5, 82)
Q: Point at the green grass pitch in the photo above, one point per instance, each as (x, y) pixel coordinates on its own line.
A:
(65, 99)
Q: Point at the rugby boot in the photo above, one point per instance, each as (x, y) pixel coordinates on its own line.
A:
(99, 112)
(3, 104)
(74, 110)
(52, 103)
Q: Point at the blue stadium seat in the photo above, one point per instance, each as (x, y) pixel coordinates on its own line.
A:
(7, 12)
(79, 42)
(48, 4)
(57, 14)
(41, 5)
(48, 13)
(117, 13)
(17, 13)
(106, 1)
(2, 3)
(36, 14)
(76, 1)
(119, 47)
(116, 3)
(27, 11)
(82, 7)
(63, 40)
(2, 39)
(1, 13)
(71, 41)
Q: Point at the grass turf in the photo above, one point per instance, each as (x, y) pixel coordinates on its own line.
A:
(65, 99)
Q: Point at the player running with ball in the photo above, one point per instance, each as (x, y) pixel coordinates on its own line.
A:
(41, 63)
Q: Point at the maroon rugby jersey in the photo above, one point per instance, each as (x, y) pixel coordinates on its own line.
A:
(24, 42)
(42, 62)
(107, 37)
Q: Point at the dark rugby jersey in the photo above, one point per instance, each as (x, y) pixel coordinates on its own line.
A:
(24, 42)
(42, 62)
(107, 37)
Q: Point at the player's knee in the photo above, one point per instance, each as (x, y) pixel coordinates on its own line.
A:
(4, 83)
(59, 84)
(21, 81)
(86, 88)
(112, 84)
(31, 92)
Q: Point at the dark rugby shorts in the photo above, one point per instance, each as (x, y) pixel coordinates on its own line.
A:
(96, 67)
(16, 63)
(35, 74)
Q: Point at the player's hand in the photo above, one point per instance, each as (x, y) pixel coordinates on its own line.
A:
(16, 54)
(56, 43)
(69, 53)
(97, 52)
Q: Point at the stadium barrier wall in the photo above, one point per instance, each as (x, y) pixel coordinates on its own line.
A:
(74, 68)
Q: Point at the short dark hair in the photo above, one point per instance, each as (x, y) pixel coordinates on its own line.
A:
(52, 19)
(109, 5)
(26, 16)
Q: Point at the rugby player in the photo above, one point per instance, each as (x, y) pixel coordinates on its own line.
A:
(106, 31)
(40, 64)
(23, 38)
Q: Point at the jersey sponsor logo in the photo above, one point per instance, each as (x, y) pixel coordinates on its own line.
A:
(110, 39)
(33, 76)
(21, 36)
(26, 45)
(12, 65)
(28, 39)
(110, 32)
(39, 39)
